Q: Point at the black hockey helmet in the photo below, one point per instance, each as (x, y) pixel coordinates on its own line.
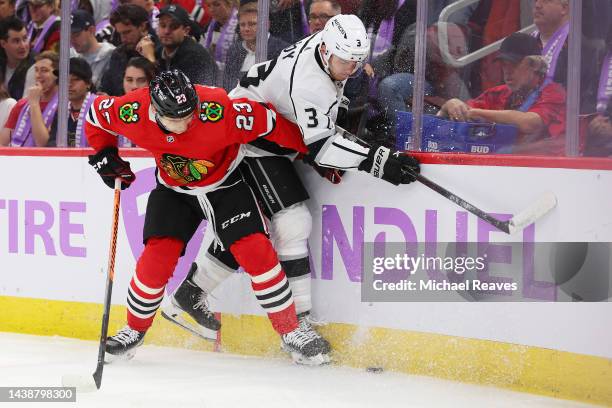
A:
(172, 94)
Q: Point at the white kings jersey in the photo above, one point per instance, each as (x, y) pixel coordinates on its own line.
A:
(300, 89)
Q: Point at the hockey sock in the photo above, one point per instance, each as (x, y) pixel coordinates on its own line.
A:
(298, 274)
(258, 258)
(146, 291)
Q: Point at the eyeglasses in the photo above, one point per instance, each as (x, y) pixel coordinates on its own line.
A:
(319, 17)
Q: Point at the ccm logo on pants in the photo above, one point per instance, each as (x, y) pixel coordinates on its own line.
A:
(235, 219)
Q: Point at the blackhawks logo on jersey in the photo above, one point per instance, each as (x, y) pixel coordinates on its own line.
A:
(128, 112)
(183, 169)
(211, 112)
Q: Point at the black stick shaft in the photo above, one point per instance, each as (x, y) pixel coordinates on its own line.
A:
(501, 225)
(110, 276)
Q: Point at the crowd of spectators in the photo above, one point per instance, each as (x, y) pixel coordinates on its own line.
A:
(118, 46)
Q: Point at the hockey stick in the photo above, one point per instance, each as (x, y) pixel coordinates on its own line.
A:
(93, 382)
(528, 216)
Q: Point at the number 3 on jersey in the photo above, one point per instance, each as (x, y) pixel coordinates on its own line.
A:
(263, 70)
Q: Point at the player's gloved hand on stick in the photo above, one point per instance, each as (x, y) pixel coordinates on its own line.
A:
(393, 166)
(109, 166)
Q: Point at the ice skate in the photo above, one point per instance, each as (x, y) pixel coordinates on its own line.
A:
(123, 345)
(305, 345)
(188, 308)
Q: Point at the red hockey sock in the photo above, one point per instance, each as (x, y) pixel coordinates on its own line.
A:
(146, 291)
(258, 258)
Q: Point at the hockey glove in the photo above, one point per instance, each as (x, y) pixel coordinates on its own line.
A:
(333, 175)
(109, 166)
(392, 166)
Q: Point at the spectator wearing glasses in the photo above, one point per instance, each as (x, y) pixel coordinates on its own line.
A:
(83, 40)
(15, 57)
(177, 49)
(33, 120)
(80, 99)
(131, 23)
(241, 55)
(321, 11)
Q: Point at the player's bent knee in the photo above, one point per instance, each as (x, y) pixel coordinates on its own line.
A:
(291, 228)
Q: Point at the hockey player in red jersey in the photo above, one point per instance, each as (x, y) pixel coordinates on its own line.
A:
(196, 136)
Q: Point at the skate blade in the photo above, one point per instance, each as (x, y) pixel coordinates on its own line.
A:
(298, 358)
(175, 316)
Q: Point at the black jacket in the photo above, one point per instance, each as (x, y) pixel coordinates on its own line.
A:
(17, 82)
(193, 60)
(112, 80)
(235, 58)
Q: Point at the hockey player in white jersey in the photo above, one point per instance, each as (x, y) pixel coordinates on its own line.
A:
(306, 85)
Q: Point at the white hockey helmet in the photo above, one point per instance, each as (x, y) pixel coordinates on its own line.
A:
(345, 37)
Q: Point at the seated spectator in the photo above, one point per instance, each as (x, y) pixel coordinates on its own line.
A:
(197, 9)
(320, 12)
(100, 10)
(7, 8)
(241, 55)
(138, 73)
(526, 101)
(83, 40)
(33, 120)
(149, 6)
(221, 33)
(599, 138)
(44, 29)
(131, 23)
(15, 57)
(80, 99)
(6, 105)
(177, 50)
(551, 17)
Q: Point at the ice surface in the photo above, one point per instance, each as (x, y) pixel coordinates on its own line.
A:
(171, 377)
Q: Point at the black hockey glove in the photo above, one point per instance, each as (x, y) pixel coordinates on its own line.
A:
(392, 166)
(109, 166)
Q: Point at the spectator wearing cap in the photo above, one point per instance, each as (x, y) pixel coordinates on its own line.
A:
(177, 49)
(33, 120)
(131, 23)
(44, 27)
(241, 55)
(535, 107)
(7, 8)
(197, 9)
(320, 12)
(80, 98)
(15, 57)
(83, 40)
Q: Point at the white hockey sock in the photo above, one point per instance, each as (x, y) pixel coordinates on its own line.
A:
(300, 287)
(210, 274)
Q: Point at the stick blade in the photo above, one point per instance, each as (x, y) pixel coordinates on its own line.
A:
(537, 210)
(83, 383)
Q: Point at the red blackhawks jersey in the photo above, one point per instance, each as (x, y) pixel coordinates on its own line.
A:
(208, 151)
